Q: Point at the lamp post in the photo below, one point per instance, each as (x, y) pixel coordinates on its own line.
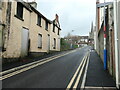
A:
(71, 46)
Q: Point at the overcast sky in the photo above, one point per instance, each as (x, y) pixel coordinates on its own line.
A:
(74, 15)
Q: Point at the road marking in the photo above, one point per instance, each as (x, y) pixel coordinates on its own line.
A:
(80, 74)
(73, 78)
(32, 66)
(90, 87)
(22, 70)
(85, 74)
(19, 67)
(77, 71)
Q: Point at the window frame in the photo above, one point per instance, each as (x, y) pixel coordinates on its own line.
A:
(1, 4)
(39, 20)
(39, 40)
(46, 25)
(53, 28)
(19, 11)
(54, 43)
(58, 31)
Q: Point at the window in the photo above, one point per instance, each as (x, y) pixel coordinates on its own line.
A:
(54, 44)
(19, 13)
(39, 41)
(46, 25)
(53, 28)
(39, 20)
(0, 4)
(58, 31)
(48, 42)
(1, 37)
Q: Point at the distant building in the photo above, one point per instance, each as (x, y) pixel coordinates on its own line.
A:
(55, 34)
(77, 40)
(26, 31)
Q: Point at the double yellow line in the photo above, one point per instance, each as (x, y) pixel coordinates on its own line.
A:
(78, 73)
(20, 69)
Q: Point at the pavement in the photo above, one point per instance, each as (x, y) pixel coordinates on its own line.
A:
(97, 78)
(66, 71)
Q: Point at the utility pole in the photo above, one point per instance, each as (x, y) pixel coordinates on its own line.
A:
(72, 39)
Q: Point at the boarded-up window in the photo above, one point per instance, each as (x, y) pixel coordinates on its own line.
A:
(48, 42)
(39, 41)
(39, 20)
(19, 10)
(54, 44)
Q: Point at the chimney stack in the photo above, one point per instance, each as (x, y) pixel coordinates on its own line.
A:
(97, 1)
(33, 4)
(57, 18)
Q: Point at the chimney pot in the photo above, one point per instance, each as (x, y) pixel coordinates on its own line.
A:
(57, 17)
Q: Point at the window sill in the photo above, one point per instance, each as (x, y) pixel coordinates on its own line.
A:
(46, 29)
(54, 48)
(39, 25)
(40, 47)
(19, 17)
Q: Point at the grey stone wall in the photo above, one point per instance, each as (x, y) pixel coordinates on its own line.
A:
(118, 31)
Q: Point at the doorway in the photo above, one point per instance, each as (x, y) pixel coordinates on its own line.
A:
(24, 42)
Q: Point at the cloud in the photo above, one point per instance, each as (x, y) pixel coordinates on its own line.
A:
(73, 14)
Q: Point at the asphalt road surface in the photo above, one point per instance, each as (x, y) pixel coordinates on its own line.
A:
(53, 74)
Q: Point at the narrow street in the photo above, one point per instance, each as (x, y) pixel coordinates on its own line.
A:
(53, 74)
(66, 71)
(66, 44)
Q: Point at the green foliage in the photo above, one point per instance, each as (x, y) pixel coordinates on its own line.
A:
(64, 45)
(67, 46)
(75, 46)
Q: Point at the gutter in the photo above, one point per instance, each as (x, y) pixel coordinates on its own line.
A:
(104, 4)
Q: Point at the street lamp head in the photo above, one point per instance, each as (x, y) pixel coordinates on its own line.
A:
(73, 30)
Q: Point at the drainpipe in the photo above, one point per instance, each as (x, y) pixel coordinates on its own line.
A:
(116, 43)
(97, 25)
(105, 50)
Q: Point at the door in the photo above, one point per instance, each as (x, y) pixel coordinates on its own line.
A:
(24, 42)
